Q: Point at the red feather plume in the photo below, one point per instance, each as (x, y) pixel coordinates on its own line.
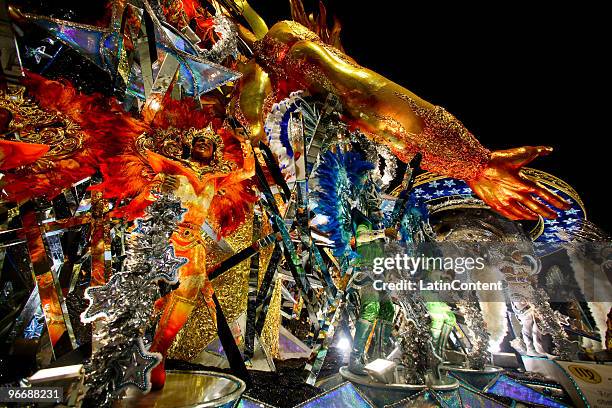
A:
(109, 136)
(105, 129)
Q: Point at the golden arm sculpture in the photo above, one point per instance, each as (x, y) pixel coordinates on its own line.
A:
(390, 114)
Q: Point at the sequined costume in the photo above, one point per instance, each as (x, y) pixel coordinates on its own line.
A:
(196, 195)
(370, 245)
(377, 308)
(521, 277)
(118, 146)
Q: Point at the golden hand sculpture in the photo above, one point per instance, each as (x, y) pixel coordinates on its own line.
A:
(502, 186)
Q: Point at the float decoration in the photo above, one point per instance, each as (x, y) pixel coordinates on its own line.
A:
(221, 200)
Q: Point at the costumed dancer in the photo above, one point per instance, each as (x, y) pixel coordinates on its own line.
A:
(520, 277)
(376, 305)
(196, 192)
(208, 172)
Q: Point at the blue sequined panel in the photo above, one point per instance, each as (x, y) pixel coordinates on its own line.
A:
(344, 396)
(449, 399)
(471, 399)
(507, 387)
(288, 346)
(196, 75)
(246, 402)
(198, 78)
(94, 44)
(475, 379)
(423, 399)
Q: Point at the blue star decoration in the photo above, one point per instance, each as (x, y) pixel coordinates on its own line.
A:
(134, 367)
(553, 233)
(166, 268)
(440, 188)
(103, 46)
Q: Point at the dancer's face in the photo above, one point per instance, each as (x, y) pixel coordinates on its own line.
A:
(202, 149)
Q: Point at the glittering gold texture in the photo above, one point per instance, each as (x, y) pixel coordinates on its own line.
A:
(264, 260)
(265, 253)
(385, 111)
(231, 289)
(36, 125)
(251, 103)
(339, 281)
(392, 115)
(271, 329)
(447, 145)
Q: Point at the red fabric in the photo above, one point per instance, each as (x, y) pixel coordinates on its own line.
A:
(15, 154)
(158, 376)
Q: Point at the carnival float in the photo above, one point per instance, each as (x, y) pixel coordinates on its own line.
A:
(201, 208)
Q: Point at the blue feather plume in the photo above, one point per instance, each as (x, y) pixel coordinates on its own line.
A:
(340, 177)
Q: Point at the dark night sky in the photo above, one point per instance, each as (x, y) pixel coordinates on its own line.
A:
(514, 73)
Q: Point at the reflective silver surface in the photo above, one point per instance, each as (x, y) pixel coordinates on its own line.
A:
(444, 384)
(461, 369)
(189, 389)
(367, 381)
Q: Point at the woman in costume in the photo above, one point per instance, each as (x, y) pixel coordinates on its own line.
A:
(201, 175)
(206, 168)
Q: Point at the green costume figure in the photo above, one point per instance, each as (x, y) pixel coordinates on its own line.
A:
(442, 321)
(376, 306)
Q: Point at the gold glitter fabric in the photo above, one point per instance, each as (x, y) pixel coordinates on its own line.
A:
(36, 125)
(264, 260)
(446, 144)
(170, 142)
(273, 54)
(231, 289)
(271, 329)
(199, 330)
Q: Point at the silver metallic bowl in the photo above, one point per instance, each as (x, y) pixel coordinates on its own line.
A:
(369, 382)
(489, 369)
(201, 389)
